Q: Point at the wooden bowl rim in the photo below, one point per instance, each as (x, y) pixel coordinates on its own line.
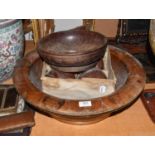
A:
(56, 106)
(51, 52)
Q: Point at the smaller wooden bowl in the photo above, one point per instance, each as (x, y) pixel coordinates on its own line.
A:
(77, 49)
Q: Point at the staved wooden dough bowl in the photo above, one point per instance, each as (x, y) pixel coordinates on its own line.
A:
(130, 82)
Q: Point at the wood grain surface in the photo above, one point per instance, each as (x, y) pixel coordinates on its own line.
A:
(133, 121)
(69, 110)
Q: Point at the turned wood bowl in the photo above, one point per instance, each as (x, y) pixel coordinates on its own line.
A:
(130, 83)
(73, 50)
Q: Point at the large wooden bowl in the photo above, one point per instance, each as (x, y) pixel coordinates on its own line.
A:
(130, 82)
(72, 51)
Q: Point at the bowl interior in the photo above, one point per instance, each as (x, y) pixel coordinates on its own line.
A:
(119, 68)
(72, 42)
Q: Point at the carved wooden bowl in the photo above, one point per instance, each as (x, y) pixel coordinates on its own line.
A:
(130, 82)
(73, 50)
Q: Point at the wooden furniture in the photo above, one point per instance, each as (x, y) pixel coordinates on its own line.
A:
(17, 124)
(89, 24)
(42, 27)
(132, 32)
(148, 96)
(16, 118)
(38, 27)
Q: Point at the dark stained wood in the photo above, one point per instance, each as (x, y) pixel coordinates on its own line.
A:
(16, 121)
(59, 74)
(29, 46)
(148, 98)
(131, 48)
(73, 50)
(15, 116)
(95, 72)
(130, 82)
